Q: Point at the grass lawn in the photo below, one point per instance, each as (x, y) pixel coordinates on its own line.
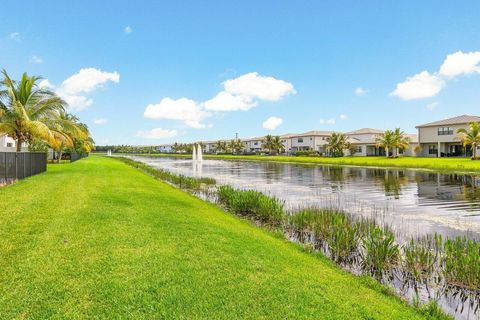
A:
(442, 164)
(99, 239)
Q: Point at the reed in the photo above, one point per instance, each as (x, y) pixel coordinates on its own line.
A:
(182, 181)
(462, 263)
(253, 204)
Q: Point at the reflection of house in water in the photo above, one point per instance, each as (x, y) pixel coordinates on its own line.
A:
(448, 188)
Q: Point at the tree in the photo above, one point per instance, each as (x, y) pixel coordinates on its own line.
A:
(470, 137)
(387, 141)
(24, 109)
(236, 145)
(267, 143)
(277, 145)
(401, 140)
(221, 146)
(336, 144)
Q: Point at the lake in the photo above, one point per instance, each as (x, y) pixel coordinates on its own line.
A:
(412, 202)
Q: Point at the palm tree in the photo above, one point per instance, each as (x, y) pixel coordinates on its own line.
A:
(471, 137)
(401, 140)
(66, 130)
(221, 146)
(24, 109)
(268, 143)
(336, 144)
(387, 141)
(236, 145)
(277, 145)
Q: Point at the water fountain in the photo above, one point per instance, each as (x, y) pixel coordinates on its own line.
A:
(194, 152)
(197, 154)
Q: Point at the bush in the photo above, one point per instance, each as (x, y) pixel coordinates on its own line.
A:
(307, 153)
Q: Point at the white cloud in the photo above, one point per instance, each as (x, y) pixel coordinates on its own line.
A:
(45, 84)
(74, 88)
(182, 109)
(256, 86)
(343, 117)
(157, 133)
(100, 121)
(36, 59)
(460, 63)
(360, 91)
(432, 105)
(272, 123)
(329, 121)
(127, 30)
(225, 101)
(14, 36)
(421, 85)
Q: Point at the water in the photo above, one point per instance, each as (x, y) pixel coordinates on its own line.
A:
(413, 202)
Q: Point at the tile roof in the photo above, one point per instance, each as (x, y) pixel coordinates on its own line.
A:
(455, 120)
(365, 131)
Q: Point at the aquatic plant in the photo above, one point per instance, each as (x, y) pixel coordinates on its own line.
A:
(182, 181)
(422, 259)
(462, 262)
(380, 252)
(253, 204)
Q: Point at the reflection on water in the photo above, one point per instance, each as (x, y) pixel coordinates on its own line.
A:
(412, 202)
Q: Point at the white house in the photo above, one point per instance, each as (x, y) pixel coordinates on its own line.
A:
(165, 148)
(365, 141)
(440, 138)
(8, 144)
(253, 144)
(311, 140)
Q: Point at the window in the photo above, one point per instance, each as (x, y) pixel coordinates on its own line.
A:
(445, 131)
(300, 140)
(432, 149)
(255, 143)
(358, 149)
(310, 139)
(9, 145)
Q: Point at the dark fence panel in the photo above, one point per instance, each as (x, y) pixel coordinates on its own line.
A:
(74, 156)
(14, 166)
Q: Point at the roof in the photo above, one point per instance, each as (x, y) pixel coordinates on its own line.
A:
(455, 120)
(365, 131)
(313, 133)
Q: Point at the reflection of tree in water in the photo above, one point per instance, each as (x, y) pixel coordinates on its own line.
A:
(393, 181)
(471, 191)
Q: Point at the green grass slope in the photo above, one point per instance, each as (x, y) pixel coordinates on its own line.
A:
(99, 239)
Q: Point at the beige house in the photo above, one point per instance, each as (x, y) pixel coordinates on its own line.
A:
(440, 138)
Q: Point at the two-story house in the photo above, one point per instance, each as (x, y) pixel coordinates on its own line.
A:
(311, 140)
(440, 138)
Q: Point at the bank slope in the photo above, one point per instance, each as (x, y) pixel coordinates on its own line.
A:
(97, 238)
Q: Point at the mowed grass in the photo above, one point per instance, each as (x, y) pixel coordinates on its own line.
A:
(99, 239)
(441, 164)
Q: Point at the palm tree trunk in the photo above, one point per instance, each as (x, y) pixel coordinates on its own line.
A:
(60, 153)
(19, 145)
(386, 152)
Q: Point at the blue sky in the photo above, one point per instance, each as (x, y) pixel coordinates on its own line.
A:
(297, 61)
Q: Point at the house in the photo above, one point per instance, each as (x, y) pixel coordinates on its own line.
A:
(209, 146)
(165, 148)
(440, 138)
(253, 144)
(309, 141)
(365, 141)
(8, 144)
